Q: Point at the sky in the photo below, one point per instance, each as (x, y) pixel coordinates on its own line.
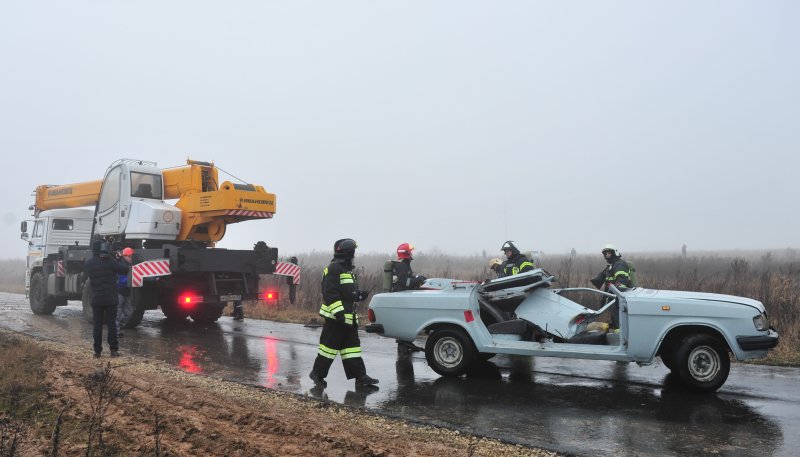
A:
(453, 125)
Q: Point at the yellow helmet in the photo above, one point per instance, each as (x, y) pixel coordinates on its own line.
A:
(495, 262)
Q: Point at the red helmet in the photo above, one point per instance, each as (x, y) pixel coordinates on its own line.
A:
(127, 251)
(404, 251)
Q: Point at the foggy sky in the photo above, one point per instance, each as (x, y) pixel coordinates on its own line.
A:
(452, 125)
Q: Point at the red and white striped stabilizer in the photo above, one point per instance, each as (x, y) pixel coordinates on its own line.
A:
(247, 213)
(149, 269)
(288, 269)
(60, 272)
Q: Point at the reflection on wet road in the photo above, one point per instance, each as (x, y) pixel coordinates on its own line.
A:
(574, 406)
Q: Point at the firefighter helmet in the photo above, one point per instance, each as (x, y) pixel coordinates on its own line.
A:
(404, 251)
(127, 252)
(509, 245)
(612, 248)
(346, 247)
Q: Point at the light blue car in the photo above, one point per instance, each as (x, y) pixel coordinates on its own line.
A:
(692, 332)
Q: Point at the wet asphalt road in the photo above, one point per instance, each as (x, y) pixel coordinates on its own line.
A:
(580, 407)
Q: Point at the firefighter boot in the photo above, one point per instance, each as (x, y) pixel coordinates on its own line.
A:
(318, 380)
(365, 380)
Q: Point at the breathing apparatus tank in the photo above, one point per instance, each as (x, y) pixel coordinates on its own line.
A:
(388, 275)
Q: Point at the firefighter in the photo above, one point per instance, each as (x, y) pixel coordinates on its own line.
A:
(403, 278)
(102, 270)
(124, 303)
(516, 262)
(496, 265)
(340, 331)
(616, 272)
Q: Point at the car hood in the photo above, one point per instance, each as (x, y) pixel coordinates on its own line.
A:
(702, 296)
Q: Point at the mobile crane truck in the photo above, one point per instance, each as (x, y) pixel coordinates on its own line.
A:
(176, 266)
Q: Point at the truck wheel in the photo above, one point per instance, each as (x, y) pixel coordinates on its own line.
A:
(701, 362)
(206, 314)
(449, 351)
(174, 312)
(40, 303)
(86, 301)
(135, 318)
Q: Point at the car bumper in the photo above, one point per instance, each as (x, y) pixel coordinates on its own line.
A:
(758, 343)
(374, 328)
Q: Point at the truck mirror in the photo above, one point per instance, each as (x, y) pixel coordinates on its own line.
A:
(23, 227)
(24, 236)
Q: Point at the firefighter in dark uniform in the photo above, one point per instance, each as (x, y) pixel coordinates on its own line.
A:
(340, 331)
(516, 262)
(403, 278)
(616, 272)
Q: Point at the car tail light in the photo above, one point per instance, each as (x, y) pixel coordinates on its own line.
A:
(468, 315)
(580, 319)
(371, 315)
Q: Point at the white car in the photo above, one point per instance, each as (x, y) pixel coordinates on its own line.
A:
(692, 332)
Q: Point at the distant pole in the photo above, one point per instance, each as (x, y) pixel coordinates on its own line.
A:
(505, 218)
(683, 250)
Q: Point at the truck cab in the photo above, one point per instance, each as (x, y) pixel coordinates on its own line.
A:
(131, 203)
(50, 230)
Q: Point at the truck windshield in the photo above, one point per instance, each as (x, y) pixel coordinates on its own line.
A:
(145, 185)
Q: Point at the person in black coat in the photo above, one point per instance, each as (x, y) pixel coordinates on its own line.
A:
(102, 270)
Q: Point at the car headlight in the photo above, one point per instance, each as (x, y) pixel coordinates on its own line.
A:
(761, 322)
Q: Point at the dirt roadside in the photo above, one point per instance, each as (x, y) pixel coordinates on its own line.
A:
(204, 416)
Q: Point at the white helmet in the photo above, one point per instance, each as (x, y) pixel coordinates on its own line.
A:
(612, 248)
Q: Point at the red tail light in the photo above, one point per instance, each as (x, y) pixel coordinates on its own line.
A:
(270, 295)
(371, 315)
(189, 301)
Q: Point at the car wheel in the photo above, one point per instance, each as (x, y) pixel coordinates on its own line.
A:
(40, 303)
(667, 355)
(702, 363)
(449, 351)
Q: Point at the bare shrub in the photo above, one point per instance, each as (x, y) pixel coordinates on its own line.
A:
(103, 388)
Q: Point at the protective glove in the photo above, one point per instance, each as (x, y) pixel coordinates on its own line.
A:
(339, 317)
(362, 295)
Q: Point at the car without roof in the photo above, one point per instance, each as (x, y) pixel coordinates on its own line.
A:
(693, 333)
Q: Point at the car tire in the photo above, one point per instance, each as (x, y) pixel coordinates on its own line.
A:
(39, 301)
(702, 363)
(449, 351)
(668, 358)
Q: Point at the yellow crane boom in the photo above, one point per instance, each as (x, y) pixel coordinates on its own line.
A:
(207, 207)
